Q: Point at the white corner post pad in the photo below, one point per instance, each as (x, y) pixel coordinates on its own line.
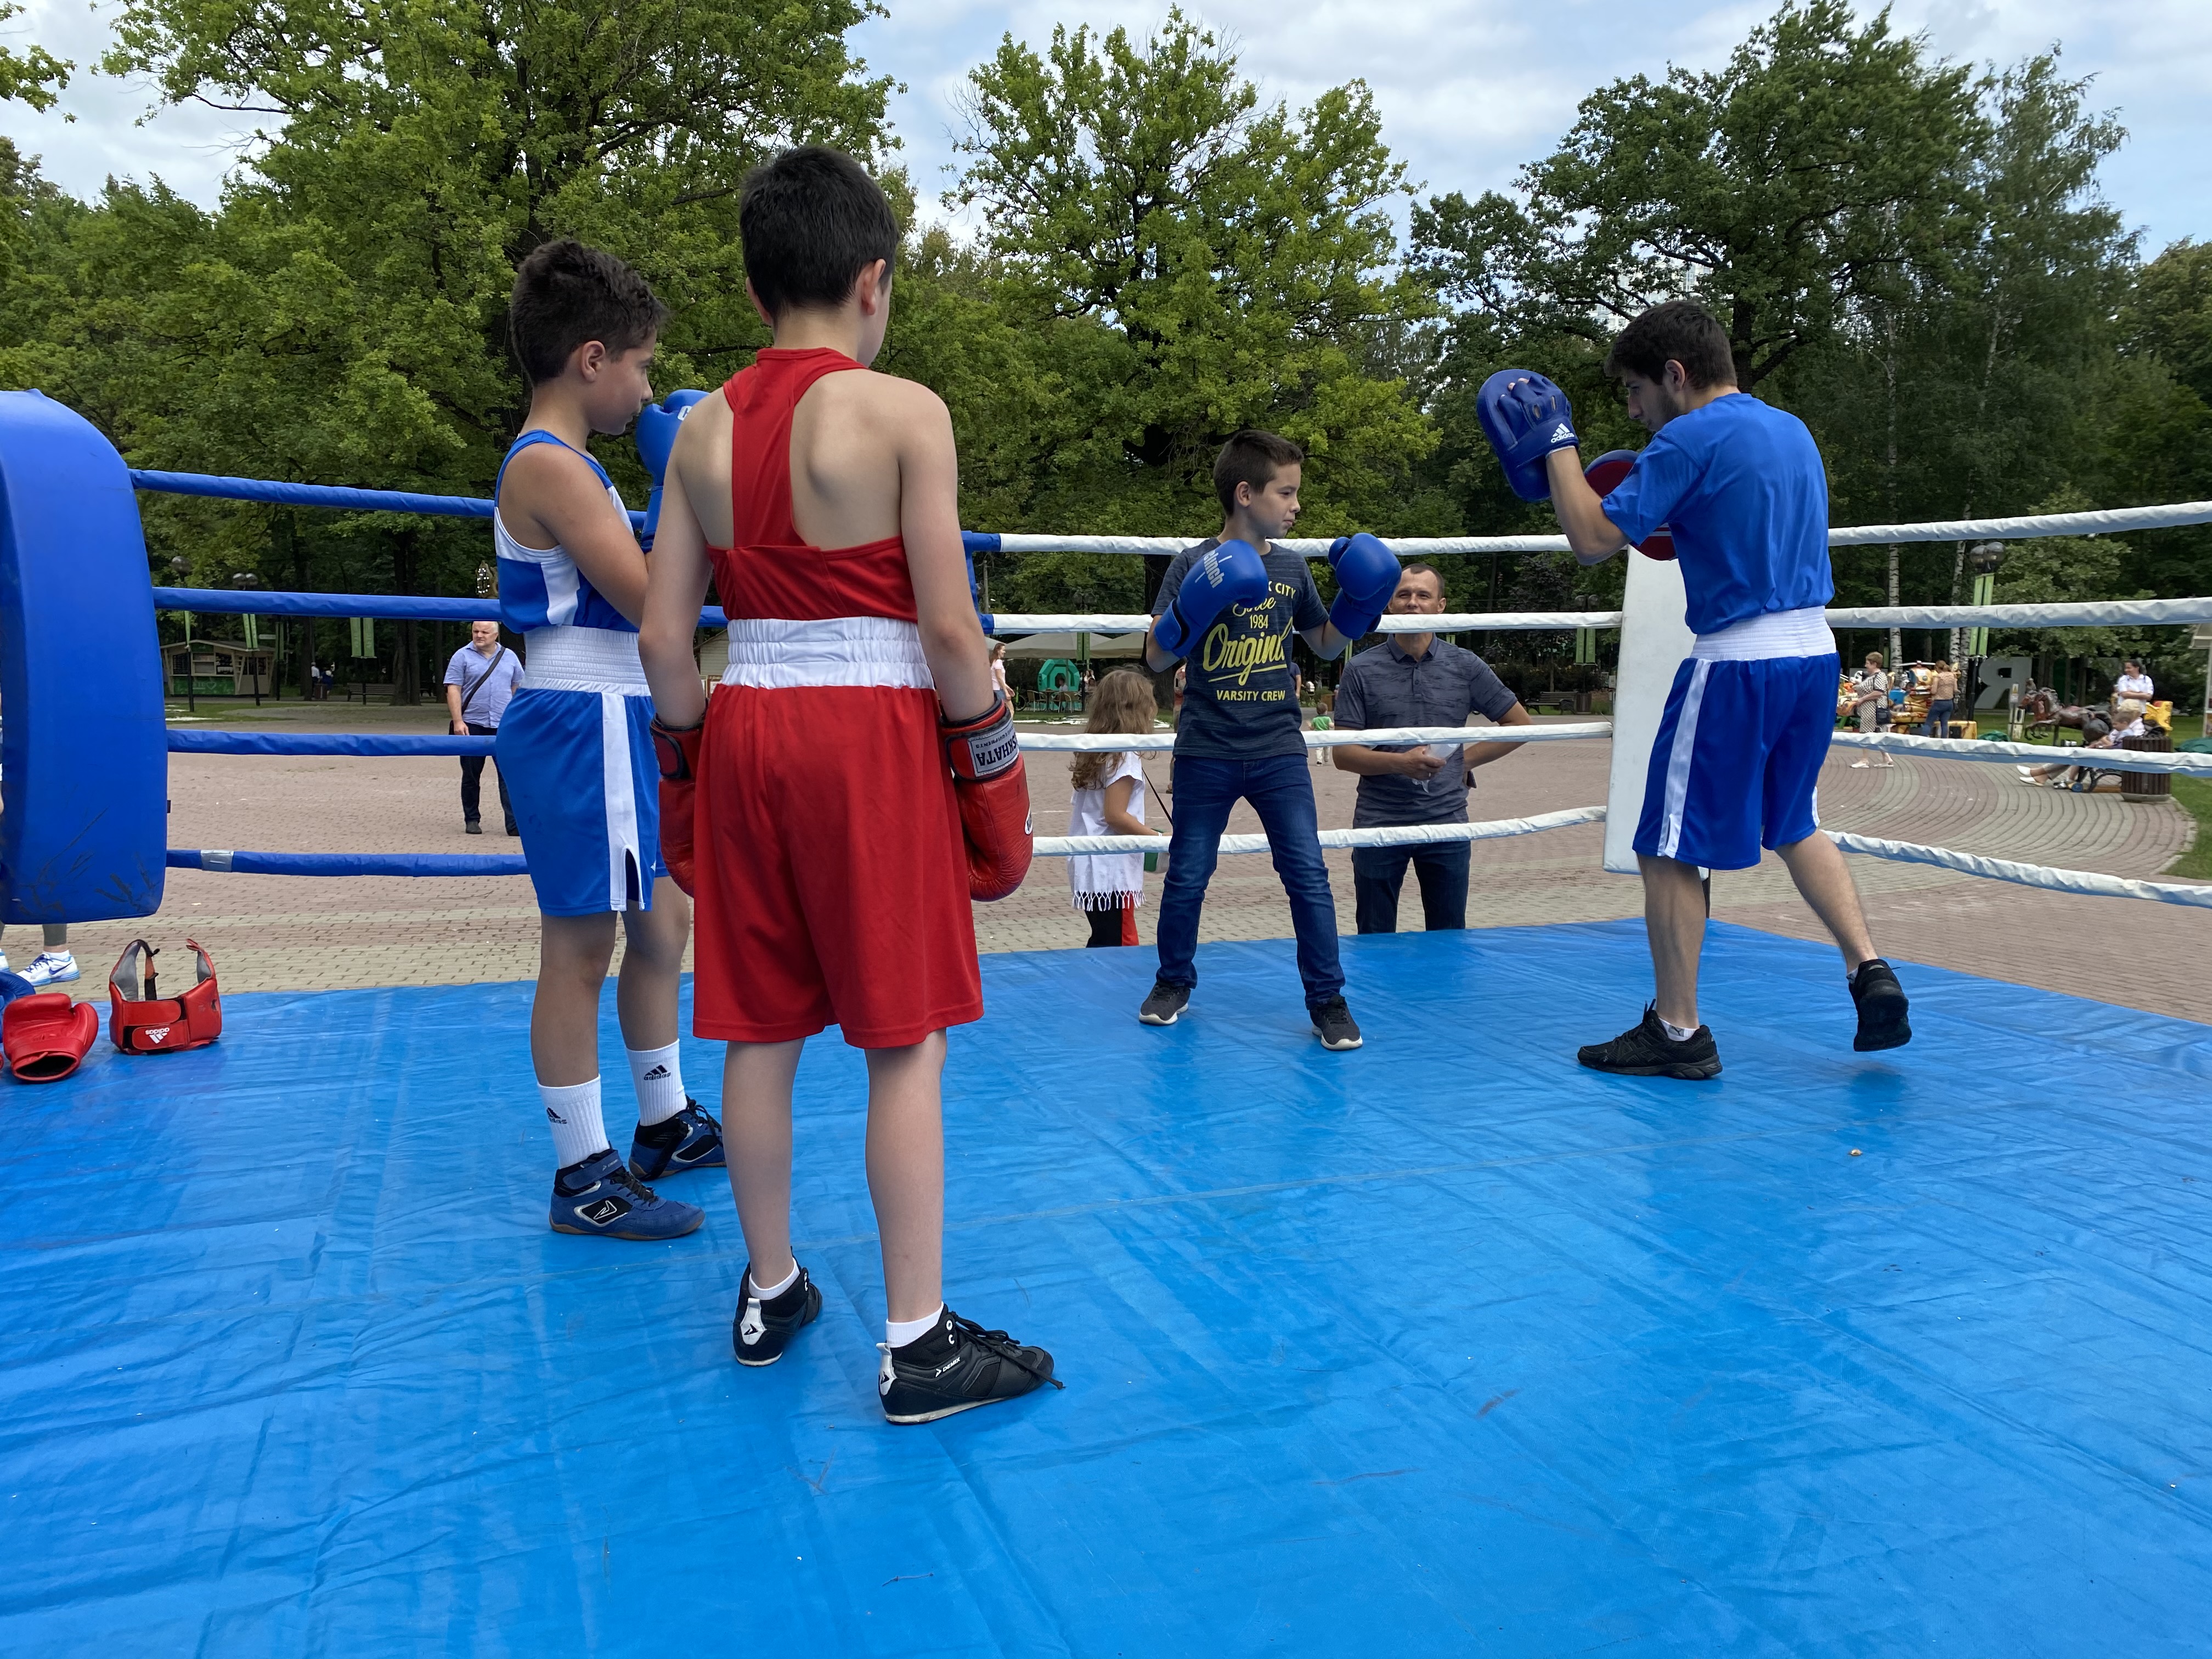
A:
(1654, 640)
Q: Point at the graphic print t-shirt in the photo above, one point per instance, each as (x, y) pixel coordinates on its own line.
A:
(1237, 702)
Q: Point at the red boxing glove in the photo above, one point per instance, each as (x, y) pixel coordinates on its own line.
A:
(994, 792)
(678, 753)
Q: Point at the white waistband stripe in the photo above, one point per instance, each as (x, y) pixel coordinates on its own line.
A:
(776, 655)
(1778, 634)
(583, 659)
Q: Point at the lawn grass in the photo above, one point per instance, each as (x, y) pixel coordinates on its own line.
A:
(2194, 795)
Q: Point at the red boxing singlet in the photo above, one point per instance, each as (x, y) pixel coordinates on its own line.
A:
(832, 881)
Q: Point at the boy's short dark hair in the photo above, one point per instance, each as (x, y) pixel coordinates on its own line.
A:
(1417, 566)
(566, 294)
(812, 221)
(1251, 457)
(1682, 332)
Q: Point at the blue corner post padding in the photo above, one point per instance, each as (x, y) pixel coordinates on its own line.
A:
(82, 749)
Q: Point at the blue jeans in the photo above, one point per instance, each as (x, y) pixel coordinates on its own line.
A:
(1938, 724)
(1378, 874)
(1280, 789)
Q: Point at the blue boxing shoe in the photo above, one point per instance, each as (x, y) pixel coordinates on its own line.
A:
(600, 1196)
(690, 1140)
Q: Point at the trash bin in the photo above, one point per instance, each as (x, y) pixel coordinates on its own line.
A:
(2147, 786)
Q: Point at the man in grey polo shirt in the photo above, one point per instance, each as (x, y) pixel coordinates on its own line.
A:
(1416, 679)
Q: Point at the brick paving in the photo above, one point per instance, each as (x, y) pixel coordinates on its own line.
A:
(269, 932)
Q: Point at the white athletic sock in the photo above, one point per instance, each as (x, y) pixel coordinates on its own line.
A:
(573, 1114)
(1677, 1033)
(769, 1292)
(659, 1078)
(897, 1333)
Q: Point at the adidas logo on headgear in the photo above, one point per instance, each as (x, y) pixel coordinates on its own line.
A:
(157, 1034)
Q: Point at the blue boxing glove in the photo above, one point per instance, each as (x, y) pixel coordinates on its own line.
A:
(657, 426)
(1232, 573)
(1525, 418)
(1366, 577)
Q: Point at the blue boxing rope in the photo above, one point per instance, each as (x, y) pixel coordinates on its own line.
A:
(349, 864)
(185, 740)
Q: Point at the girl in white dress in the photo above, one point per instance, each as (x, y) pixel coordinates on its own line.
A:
(1110, 800)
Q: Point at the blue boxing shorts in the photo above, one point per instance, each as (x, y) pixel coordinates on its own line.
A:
(579, 769)
(1737, 762)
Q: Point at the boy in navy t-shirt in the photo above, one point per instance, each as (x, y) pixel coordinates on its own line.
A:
(1227, 608)
(1741, 486)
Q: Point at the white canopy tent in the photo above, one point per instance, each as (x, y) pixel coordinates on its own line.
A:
(1070, 645)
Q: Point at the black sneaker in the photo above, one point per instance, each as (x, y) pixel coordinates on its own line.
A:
(761, 1329)
(1645, 1050)
(1333, 1025)
(956, 1366)
(1882, 1005)
(690, 1140)
(471, 827)
(1165, 1004)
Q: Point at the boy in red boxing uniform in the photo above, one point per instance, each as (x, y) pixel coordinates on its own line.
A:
(822, 499)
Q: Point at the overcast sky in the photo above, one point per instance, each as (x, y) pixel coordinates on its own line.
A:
(1470, 89)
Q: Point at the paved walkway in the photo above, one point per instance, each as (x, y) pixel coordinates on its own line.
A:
(269, 932)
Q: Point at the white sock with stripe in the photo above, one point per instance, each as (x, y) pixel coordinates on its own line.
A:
(659, 1075)
(572, 1112)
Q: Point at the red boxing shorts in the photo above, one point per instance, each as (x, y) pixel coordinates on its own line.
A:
(832, 878)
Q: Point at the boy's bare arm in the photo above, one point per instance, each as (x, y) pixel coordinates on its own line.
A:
(552, 498)
(676, 585)
(929, 523)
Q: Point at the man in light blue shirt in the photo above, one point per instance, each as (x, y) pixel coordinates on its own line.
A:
(479, 680)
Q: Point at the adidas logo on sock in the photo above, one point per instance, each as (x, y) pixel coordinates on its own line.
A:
(656, 1075)
(552, 1116)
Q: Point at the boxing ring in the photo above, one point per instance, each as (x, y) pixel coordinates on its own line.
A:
(1445, 1345)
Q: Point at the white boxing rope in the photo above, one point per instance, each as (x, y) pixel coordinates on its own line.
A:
(2094, 613)
(1006, 624)
(2103, 522)
(1968, 748)
(2026, 875)
(1410, 835)
(1100, 742)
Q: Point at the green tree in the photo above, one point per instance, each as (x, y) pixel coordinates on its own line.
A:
(1181, 261)
(341, 320)
(1805, 179)
(34, 77)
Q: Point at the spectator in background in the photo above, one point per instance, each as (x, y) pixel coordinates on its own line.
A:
(2135, 684)
(1942, 697)
(1869, 697)
(1110, 800)
(479, 681)
(53, 965)
(1416, 679)
(999, 671)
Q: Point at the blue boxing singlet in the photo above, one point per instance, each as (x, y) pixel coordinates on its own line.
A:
(540, 587)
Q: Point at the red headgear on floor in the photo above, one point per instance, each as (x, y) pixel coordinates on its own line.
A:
(147, 1025)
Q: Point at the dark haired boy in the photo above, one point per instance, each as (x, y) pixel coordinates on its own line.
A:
(1228, 606)
(1747, 721)
(822, 499)
(574, 747)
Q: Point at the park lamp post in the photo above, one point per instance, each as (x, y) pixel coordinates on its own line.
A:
(1984, 558)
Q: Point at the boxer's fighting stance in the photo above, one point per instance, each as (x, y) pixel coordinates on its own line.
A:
(1747, 724)
(822, 499)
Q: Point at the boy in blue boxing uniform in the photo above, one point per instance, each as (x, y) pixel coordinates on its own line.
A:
(575, 750)
(1229, 605)
(1747, 724)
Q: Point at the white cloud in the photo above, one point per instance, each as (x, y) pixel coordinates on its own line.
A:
(1470, 89)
